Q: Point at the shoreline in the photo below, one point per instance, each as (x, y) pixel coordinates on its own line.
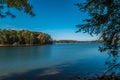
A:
(2, 45)
(47, 44)
(5, 45)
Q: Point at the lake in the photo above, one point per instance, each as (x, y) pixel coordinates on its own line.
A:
(51, 62)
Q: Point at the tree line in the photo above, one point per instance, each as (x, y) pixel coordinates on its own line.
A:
(66, 41)
(17, 37)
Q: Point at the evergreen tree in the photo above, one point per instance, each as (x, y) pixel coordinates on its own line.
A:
(104, 21)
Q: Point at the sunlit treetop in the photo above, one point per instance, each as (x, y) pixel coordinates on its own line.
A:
(21, 5)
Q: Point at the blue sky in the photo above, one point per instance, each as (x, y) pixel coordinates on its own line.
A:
(55, 17)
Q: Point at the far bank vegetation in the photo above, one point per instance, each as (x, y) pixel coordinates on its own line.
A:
(23, 37)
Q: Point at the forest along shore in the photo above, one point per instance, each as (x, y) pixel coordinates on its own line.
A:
(23, 38)
(75, 41)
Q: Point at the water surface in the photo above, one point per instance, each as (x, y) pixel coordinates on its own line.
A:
(65, 60)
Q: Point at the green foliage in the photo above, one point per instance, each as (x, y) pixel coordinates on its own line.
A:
(6, 5)
(104, 21)
(14, 37)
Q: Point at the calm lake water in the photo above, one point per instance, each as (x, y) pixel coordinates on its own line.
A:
(57, 60)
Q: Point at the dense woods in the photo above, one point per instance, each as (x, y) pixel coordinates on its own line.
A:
(18, 37)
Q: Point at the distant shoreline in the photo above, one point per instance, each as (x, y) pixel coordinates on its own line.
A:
(66, 41)
(5, 45)
(74, 41)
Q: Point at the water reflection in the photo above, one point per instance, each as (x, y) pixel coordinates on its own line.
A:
(15, 59)
(80, 57)
(24, 53)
